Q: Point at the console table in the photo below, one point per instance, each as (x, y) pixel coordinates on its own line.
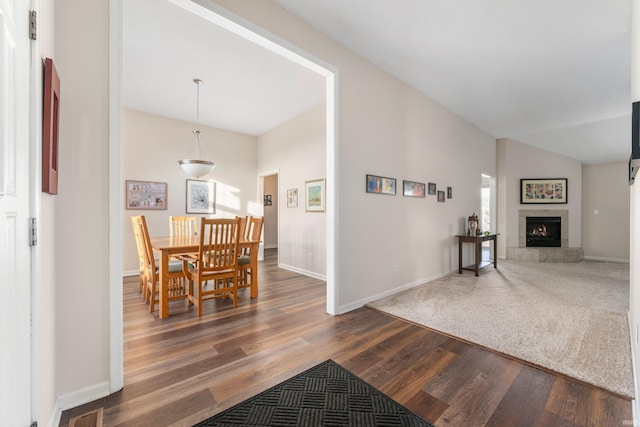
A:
(477, 244)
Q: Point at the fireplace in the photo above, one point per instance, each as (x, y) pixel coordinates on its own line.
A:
(543, 231)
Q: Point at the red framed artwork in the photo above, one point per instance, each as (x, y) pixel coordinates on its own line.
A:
(50, 123)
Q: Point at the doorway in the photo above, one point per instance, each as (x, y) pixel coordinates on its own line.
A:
(268, 185)
(217, 16)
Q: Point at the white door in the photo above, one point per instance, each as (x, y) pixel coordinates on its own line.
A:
(15, 261)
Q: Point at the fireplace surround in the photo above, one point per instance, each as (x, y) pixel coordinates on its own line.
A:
(560, 253)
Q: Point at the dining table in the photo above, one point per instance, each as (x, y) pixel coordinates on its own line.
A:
(168, 246)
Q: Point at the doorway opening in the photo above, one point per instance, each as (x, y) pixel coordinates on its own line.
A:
(221, 17)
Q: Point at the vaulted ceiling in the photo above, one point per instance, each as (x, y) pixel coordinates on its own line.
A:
(550, 73)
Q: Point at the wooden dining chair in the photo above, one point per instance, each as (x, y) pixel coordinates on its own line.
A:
(183, 225)
(254, 232)
(214, 269)
(140, 247)
(177, 288)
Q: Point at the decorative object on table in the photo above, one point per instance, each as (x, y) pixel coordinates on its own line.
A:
(196, 167)
(543, 191)
(432, 188)
(146, 195)
(326, 394)
(201, 197)
(441, 196)
(50, 118)
(267, 200)
(314, 195)
(449, 193)
(473, 225)
(292, 198)
(413, 189)
(381, 185)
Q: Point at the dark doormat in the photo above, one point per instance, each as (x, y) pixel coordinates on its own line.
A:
(325, 395)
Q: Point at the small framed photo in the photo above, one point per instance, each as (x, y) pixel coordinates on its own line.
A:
(146, 195)
(449, 193)
(292, 198)
(432, 188)
(543, 191)
(268, 201)
(441, 196)
(381, 185)
(314, 195)
(201, 197)
(413, 189)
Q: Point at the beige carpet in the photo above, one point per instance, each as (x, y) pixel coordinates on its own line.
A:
(568, 318)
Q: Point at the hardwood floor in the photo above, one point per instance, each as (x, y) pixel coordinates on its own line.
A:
(184, 369)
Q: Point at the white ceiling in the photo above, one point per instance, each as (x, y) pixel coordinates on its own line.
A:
(550, 73)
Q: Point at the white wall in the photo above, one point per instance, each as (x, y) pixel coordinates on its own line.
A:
(44, 314)
(81, 218)
(152, 148)
(385, 127)
(517, 161)
(605, 189)
(390, 129)
(634, 249)
(297, 150)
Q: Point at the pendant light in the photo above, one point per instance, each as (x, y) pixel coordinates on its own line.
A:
(197, 167)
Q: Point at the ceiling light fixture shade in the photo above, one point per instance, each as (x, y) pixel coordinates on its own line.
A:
(197, 167)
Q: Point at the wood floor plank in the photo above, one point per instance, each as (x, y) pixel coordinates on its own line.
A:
(183, 369)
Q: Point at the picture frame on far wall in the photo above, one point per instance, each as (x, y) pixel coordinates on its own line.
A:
(146, 195)
(449, 193)
(432, 188)
(292, 198)
(381, 185)
(200, 197)
(314, 200)
(413, 189)
(441, 196)
(543, 191)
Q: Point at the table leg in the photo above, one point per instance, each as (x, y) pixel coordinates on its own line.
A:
(495, 252)
(478, 255)
(164, 285)
(459, 256)
(254, 270)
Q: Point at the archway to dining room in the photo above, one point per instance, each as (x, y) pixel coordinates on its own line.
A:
(217, 16)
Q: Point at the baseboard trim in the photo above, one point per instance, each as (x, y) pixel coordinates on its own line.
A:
(303, 272)
(130, 273)
(597, 258)
(85, 395)
(635, 410)
(361, 303)
(55, 418)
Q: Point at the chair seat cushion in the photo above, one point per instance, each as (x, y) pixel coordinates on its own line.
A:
(244, 259)
(174, 266)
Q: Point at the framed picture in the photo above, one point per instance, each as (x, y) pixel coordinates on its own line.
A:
(146, 195)
(432, 188)
(50, 120)
(413, 189)
(268, 201)
(449, 192)
(381, 185)
(314, 195)
(441, 196)
(292, 198)
(543, 191)
(201, 197)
